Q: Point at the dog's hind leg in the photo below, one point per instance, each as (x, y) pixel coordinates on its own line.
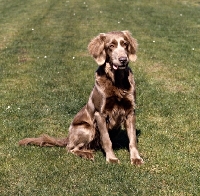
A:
(79, 141)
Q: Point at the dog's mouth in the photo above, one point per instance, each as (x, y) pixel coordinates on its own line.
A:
(116, 67)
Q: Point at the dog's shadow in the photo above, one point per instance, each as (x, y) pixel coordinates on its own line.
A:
(120, 139)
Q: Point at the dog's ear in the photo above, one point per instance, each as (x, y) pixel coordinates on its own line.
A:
(132, 46)
(97, 49)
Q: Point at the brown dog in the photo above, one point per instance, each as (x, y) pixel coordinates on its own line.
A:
(111, 102)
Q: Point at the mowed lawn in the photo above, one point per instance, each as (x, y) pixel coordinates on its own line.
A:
(46, 76)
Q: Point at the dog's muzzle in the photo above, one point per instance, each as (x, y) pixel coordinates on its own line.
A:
(123, 61)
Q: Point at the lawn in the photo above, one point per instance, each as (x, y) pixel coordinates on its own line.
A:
(46, 78)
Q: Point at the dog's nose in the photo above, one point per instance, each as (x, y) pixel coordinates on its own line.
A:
(123, 60)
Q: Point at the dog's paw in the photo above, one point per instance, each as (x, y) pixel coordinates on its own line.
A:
(137, 161)
(87, 154)
(113, 160)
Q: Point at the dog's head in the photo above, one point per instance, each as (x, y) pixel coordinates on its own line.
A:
(116, 48)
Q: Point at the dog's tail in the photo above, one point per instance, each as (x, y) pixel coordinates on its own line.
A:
(44, 140)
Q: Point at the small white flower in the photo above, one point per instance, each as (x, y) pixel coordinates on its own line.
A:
(45, 57)
(181, 14)
(73, 57)
(192, 48)
(118, 22)
(154, 41)
(32, 29)
(74, 14)
(8, 108)
(18, 108)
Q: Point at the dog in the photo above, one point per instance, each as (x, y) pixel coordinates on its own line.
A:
(111, 103)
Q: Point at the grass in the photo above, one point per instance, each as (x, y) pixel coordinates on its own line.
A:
(47, 75)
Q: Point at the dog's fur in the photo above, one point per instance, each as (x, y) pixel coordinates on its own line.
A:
(111, 102)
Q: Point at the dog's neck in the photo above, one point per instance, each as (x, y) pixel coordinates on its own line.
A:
(119, 77)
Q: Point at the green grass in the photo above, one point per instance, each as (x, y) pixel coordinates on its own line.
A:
(47, 75)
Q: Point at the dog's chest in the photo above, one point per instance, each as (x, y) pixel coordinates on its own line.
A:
(114, 103)
(118, 103)
(114, 98)
(116, 110)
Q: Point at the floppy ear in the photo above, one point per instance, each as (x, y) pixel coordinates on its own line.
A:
(97, 50)
(132, 47)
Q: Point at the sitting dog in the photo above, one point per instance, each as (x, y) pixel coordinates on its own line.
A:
(110, 105)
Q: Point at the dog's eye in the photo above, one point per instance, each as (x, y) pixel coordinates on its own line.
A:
(111, 46)
(125, 44)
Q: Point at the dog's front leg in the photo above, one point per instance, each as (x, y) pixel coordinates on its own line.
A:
(105, 139)
(131, 132)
